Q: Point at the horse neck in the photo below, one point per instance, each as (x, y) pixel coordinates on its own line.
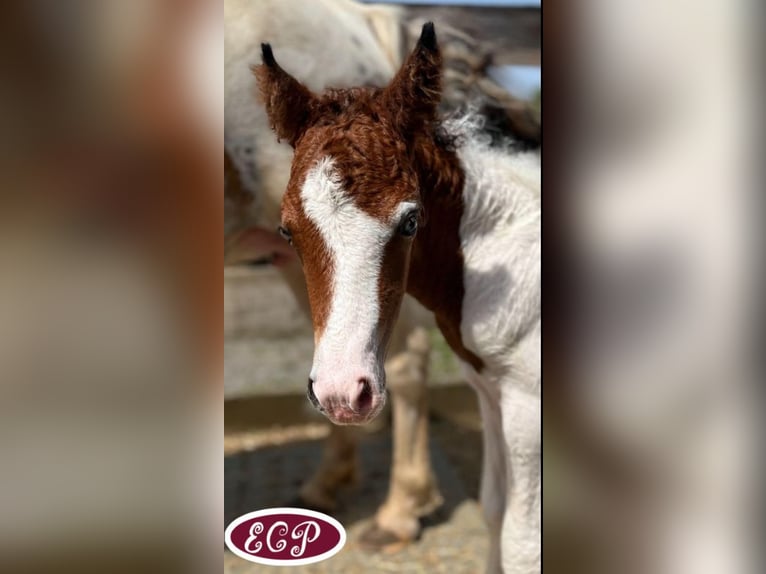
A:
(436, 266)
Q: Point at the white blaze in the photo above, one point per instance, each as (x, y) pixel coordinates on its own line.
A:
(356, 242)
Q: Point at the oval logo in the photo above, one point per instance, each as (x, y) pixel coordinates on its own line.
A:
(285, 536)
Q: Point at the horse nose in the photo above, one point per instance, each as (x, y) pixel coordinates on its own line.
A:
(345, 401)
(360, 400)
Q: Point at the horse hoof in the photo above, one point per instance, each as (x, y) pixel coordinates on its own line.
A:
(376, 539)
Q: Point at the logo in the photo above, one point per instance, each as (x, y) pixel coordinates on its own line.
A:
(285, 536)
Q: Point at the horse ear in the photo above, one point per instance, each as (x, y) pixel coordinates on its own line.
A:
(413, 95)
(289, 104)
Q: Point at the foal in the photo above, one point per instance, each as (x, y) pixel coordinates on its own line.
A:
(383, 200)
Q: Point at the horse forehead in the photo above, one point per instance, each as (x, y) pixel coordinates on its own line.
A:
(325, 194)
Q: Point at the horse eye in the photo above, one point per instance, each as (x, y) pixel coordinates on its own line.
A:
(285, 234)
(409, 225)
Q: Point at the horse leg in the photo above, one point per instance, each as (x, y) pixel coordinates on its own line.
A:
(492, 494)
(338, 468)
(413, 492)
(522, 441)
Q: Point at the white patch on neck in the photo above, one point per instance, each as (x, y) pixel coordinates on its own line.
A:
(356, 242)
(500, 237)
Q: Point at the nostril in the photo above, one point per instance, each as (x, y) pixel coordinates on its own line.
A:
(310, 393)
(363, 401)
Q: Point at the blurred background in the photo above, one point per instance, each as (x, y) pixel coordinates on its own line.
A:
(110, 293)
(652, 393)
